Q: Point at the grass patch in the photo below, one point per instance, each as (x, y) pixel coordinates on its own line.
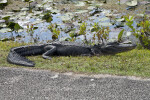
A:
(132, 63)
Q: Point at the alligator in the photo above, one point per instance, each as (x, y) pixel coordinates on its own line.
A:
(18, 55)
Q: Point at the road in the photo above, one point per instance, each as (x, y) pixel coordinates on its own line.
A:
(31, 84)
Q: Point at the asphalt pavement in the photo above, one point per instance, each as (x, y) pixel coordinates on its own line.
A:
(31, 84)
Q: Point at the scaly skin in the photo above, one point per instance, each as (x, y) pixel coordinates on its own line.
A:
(17, 54)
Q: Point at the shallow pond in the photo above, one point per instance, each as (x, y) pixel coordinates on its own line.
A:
(66, 16)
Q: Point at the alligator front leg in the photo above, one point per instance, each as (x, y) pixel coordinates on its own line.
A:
(50, 49)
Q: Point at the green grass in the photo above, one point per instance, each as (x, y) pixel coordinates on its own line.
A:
(132, 63)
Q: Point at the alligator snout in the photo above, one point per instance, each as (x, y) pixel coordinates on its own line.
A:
(113, 48)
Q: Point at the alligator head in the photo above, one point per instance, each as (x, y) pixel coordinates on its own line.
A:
(116, 47)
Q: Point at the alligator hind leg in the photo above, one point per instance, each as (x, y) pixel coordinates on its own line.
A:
(50, 49)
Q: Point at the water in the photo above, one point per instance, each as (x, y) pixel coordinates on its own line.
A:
(43, 34)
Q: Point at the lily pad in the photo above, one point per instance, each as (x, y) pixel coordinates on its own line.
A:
(128, 34)
(132, 3)
(81, 11)
(55, 11)
(20, 30)
(37, 13)
(66, 16)
(46, 1)
(37, 22)
(98, 4)
(80, 3)
(92, 17)
(23, 13)
(46, 6)
(141, 15)
(109, 15)
(2, 25)
(49, 8)
(28, 0)
(5, 17)
(105, 11)
(3, 1)
(120, 24)
(104, 19)
(23, 23)
(24, 9)
(90, 7)
(40, 6)
(63, 38)
(2, 21)
(10, 13)
(120, 19)
(105, 24)
(5, 30)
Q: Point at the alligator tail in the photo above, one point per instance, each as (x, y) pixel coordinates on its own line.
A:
(16, 58)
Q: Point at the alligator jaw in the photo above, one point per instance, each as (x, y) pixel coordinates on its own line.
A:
(115, 47)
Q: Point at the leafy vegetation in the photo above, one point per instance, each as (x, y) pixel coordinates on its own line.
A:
(143, 33)
(48, 17)
(120, 35)
(73, 36)
(29, 1)
(55, 31)
(30, 31)
(12, 25)
(101, 34)
(83, 31)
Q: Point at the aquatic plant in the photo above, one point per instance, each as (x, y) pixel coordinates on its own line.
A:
(143, 33)
(73, 36)
(48, 17)
(30, 31)
(129, 20)
(3, 3)
(119, 2)
(101, 33)
(83, 31)
(55, 30)
(29, 1)
(144, 37)
(120, 35)
(12, 25)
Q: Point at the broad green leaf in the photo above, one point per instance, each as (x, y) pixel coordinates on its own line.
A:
(120, 35)
(17, 27)
(6, 18)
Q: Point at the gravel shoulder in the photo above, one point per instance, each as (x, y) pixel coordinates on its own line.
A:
(31, 84)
